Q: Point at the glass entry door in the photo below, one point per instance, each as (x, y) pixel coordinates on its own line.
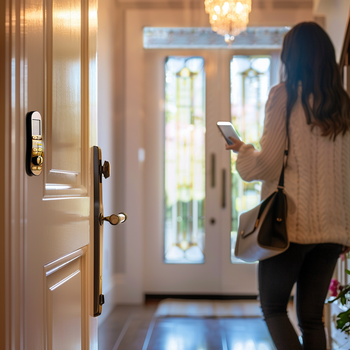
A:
(194, 194)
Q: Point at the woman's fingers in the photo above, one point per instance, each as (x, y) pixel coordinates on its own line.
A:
(236, 144)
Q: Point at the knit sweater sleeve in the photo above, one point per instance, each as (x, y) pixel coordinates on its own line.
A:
(266, 164)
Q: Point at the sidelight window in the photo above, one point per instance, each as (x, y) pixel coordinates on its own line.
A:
(184, 160)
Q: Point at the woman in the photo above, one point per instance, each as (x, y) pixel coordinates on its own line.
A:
(317, 183)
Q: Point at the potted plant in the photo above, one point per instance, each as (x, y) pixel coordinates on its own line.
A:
(341, 293)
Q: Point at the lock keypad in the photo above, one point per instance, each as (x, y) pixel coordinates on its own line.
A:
(37, 158)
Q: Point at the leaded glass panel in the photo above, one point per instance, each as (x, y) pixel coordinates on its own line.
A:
(250, 83)
(184, 160)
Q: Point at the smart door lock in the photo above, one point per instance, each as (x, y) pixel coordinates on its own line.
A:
(35, 144)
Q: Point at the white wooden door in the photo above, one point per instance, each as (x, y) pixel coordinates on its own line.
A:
(218, 273)
(59, 81)
(161, 277)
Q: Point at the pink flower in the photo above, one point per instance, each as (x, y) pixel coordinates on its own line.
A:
(334, 286)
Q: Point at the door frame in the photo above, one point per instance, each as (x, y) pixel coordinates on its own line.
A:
(217, 275)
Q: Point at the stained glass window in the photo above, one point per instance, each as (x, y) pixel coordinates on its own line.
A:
(250, 83)
(184, 160)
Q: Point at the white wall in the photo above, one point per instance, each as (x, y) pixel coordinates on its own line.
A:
(336, 14)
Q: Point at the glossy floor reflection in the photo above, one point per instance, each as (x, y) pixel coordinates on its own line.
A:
(205, 334)
(136, 328)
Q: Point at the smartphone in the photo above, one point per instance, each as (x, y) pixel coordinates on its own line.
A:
(228, 130)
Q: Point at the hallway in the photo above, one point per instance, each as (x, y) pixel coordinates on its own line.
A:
(137, 328)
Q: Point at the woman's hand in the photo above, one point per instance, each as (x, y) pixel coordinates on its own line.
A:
(236, 144)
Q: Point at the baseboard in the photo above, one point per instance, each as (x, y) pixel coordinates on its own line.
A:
(150, 298)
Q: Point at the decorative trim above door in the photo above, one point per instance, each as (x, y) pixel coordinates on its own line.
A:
(204, 38)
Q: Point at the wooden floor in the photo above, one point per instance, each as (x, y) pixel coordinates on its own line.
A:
(136, 328)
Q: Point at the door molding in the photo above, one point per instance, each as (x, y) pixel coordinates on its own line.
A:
(70, 268)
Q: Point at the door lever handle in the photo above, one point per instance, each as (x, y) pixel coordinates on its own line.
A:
(114, 219)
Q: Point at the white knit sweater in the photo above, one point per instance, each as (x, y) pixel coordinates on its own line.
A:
(317, 176)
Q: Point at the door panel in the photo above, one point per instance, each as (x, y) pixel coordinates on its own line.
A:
(66, 97)
(64, 280)
(60, 54)
(159, 276)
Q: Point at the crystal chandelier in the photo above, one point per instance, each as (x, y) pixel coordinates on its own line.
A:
(228, 17)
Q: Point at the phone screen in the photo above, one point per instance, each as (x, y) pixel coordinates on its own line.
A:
(227, 131)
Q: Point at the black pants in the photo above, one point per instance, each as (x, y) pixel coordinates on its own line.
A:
(311, 266)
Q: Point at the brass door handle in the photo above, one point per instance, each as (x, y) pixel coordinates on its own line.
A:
(114, 219)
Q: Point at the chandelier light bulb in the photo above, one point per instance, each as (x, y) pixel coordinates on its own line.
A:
(228, 17)
(239, 7)
(225, 7)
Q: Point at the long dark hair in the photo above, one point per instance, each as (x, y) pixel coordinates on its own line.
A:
(308, 56)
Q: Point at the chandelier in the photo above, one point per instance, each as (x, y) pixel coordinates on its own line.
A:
(228, 17)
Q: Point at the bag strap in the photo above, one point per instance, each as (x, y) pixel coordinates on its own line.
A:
(285, 158)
